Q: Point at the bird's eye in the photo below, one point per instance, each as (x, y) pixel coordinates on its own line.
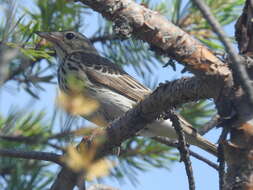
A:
(69, 35)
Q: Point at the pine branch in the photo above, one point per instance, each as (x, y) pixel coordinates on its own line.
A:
(239, 71)
(164, 37)
(170, 143)
(168, 95)
(183, 149)
(36, 155)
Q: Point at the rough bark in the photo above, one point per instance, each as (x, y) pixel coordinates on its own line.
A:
(238, 152)
(244, 30)
(168, 95)
(131, 18)
(239, 158)
(164, 37)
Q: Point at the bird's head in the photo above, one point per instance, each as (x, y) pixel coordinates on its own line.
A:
(66, 42)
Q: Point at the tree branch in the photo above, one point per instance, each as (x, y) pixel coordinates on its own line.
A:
(167, 39)
(209, 125)
(221, 167)
(171, 143)
(30, 140)
(131, 18)
(36, 155)
(239, 70)
(168, 95)
(183, 149)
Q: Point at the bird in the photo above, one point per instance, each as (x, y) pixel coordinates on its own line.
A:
(106, 82)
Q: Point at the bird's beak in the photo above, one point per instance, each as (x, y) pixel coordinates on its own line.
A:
(50, 36)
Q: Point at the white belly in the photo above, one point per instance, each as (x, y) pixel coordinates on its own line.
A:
(112, 105)
(112, 108)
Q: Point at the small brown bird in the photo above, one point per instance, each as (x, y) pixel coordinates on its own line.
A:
(113, 88)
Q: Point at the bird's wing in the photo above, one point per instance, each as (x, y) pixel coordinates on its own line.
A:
(103, 72)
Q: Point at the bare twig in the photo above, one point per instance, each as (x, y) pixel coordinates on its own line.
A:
(36, 155)
(19, 138)
(221, 158)
(81, 183)
(237, 67)
(40, 139)
(171, 143)
(30, 140)
(209, 125)
(221, 167)
(208, 162)
(183, 149)
(166, 141)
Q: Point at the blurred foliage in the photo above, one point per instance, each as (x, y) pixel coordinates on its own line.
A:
(77, 104)
(82, 159)
(18, 173)
(188, 17)
(32, 66)
(139, 154)
(198, 113)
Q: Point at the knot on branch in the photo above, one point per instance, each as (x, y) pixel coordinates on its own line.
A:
(123, 27)
(115, 6)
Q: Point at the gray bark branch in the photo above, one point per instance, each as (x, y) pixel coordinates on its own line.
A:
(168, 95)
(36, 155)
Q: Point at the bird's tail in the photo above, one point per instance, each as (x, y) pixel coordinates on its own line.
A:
(165, 128)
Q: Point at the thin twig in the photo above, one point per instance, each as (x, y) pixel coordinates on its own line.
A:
(237, 67)
(183, 149)
(40, 139)
(36, 155)
(221, 158)
(209, 125)
(208, 162)
(81, 183)
(20, 138)
(172, 143)
(30, 140)
(221, 167)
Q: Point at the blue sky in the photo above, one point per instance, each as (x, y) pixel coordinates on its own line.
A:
(206, 177)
